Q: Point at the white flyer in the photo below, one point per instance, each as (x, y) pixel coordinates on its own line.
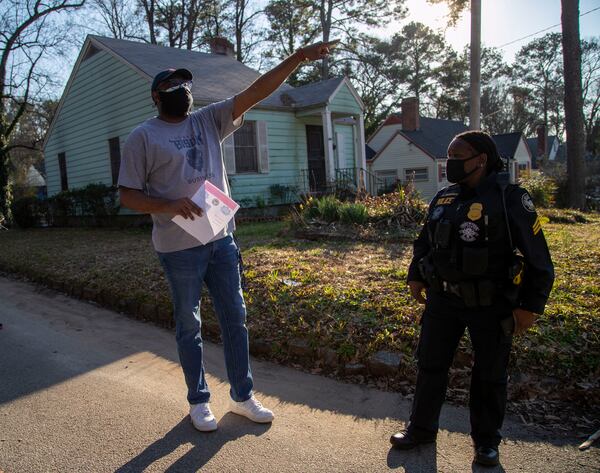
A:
(218, 210)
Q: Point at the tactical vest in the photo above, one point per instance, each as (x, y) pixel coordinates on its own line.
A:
(468, 236)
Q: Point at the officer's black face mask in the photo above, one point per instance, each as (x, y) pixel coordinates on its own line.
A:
(455, 169)
(176, 103)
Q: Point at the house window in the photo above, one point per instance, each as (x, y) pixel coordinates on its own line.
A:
(114, 149)
(62, 164)
(416, 174)
(246, 156)
(388, 179)
(441, 172)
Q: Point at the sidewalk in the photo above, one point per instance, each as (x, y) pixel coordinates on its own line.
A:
(86, 389)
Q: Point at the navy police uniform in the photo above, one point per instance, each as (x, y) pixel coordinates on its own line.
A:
(474, 280)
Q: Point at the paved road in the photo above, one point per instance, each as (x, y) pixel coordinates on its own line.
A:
(83, 389)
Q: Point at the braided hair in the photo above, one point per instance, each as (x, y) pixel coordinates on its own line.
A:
(482, 142)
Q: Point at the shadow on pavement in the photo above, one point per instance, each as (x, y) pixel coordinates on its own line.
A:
(422, 459)
(204, 445)
(49, 338)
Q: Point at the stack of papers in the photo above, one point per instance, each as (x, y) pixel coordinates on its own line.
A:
(218, 210)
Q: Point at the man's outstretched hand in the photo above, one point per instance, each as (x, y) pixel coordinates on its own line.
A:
(316, 51)
(266, 84)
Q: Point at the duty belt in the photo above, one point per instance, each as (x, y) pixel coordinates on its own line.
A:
(473, 293)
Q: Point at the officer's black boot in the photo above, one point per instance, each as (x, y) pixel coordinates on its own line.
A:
(487, 456)
(406, 440)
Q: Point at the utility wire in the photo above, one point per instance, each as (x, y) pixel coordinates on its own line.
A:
(541, 31)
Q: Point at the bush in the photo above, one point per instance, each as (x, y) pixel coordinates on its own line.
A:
(329, 208)
(96, 200)
(353, 213)
(26, 212)
(541, 187)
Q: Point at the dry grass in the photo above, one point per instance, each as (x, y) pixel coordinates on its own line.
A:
(348, 296)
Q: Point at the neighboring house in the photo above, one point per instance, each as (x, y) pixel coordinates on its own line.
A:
(514, 149)
(35, 180)
(409, 147)
(538, 147)
(297, 140)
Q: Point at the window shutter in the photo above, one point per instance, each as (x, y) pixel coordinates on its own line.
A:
(262, 146)
(229, 154)
(439, 173)
(339, 144)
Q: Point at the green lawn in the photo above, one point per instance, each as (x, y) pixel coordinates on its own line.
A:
(348, 296)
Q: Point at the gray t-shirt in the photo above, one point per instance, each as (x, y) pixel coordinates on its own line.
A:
(172, 160)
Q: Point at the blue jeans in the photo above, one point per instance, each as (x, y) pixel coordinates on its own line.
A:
(217, 265)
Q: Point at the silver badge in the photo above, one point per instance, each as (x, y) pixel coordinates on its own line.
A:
(437, 213)
(527, 203)
(468, 231)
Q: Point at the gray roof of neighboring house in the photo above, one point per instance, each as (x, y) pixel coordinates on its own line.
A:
(434, 135)
(532, 143)
(216, 76)
(369, 152)
(313, 94)
(507, 143)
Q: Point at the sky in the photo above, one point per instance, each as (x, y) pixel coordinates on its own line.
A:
(502, 21)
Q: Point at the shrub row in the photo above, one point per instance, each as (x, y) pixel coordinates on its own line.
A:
(93, 200)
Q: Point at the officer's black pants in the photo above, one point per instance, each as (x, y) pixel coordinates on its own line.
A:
(440, 334)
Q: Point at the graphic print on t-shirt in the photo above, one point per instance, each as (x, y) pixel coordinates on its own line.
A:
(194, 155)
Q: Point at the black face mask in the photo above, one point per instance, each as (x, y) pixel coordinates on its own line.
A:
(455, 169)
(176, 103)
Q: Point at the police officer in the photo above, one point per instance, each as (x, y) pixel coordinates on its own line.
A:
(483, 262)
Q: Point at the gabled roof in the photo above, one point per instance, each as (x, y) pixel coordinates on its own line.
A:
(533, 142)
(216, 76)
(311, 94)
(435, 135)
(369, 152)
(507, 143)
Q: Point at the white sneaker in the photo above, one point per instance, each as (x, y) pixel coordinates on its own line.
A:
(202, 417)
(252, 409)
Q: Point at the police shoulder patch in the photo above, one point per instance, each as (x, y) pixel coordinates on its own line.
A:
(437, 213)
(527, 203)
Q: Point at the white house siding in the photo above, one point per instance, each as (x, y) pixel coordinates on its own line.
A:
(522, 154)
(286, 139)
(106, 99)
(400, 154)
(379, 139)
(345, 153)
(344, 102)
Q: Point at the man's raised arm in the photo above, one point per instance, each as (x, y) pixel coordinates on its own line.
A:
(266, 84)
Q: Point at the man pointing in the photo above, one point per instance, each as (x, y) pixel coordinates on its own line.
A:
(165, 160)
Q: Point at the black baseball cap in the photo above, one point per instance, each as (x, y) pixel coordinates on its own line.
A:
(164, 75)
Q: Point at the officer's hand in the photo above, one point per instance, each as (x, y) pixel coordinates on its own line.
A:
(416, 290)
(524, 320)
(184, 207)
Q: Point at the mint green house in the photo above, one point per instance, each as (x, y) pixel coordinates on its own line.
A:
(298, 140)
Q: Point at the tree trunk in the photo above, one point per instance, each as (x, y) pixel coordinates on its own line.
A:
(5, 191)
(573, 98)
(326, 12)
(475, 99)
